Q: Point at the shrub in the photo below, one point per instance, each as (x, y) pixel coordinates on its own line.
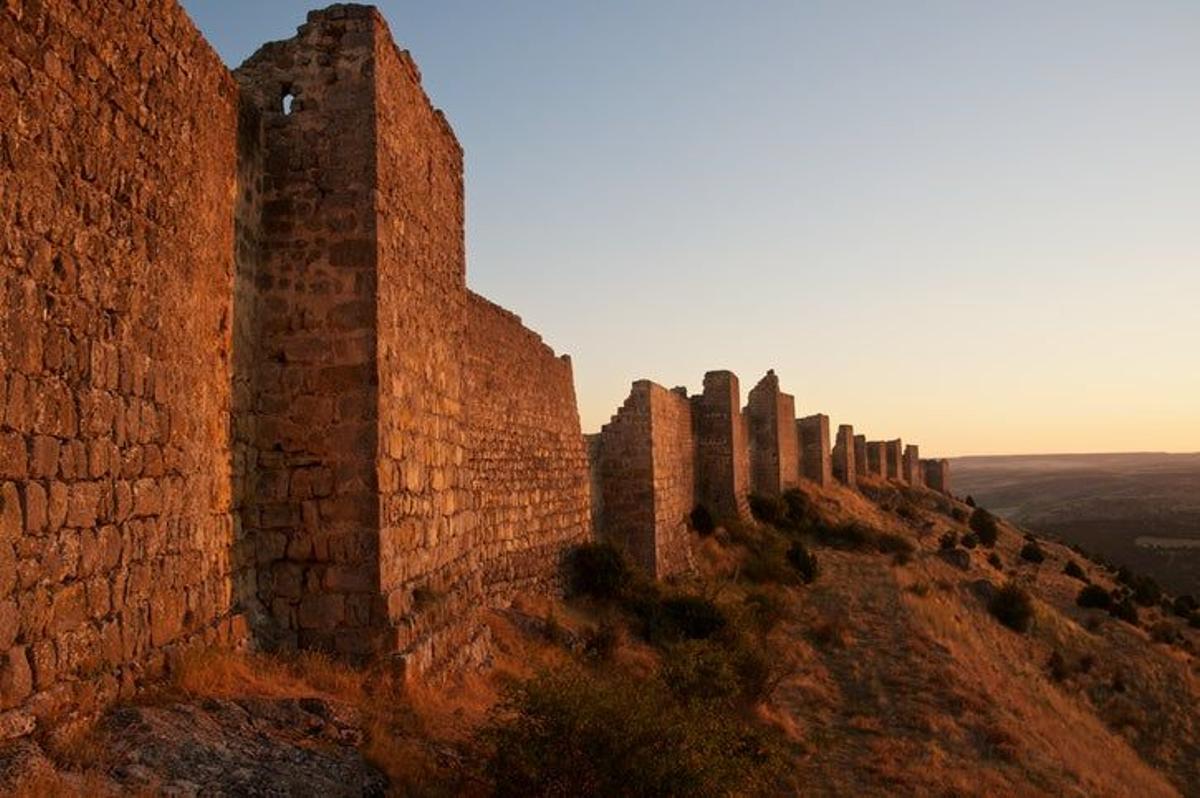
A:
(1012, 607)
(970, 540)
(970, 501)
(1164, 632)
(850, 537)
(1125, 610)
(766, 608)
(600, 642)
(1146, 591)
(995, 561)
(693, 617)
(984, 525)
(1032, 552)
(573, 733)
(960, 515)
(1184, 606)
(1194, 621)
(1073, 570)
(700, 670)
(767, 509)
(900, 546)
(1057, 666)
(1094, 597)
(598, 570)
(702, 520)
(948, 541)
(803, 561)
(800, 511)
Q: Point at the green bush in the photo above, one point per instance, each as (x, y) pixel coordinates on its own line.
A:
(995, 561)
(1012, 607)
(1073, 570)
(1146, 591)
(598, 570)
(1032, 552)
(948, 541)
(702, 520)
(1094, 597)
(960, 515)
(1124, 610)
(984, 525)
(575, 733)
(766, 608)
(803, 562)
(970, 540)
(767, 509)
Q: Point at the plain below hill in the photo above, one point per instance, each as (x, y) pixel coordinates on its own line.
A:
(1141, 510)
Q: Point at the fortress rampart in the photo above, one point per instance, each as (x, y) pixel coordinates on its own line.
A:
(247, 396)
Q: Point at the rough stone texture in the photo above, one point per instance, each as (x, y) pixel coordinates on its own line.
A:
(117, 191)
(860, 455)
(893, 450)
(774, 459)
(912, 465)
(937, 475)
(813, 433)
(844, 465)
(877, 459)
(645, 469)
(244, 387)
(526, 455)
(722, 453)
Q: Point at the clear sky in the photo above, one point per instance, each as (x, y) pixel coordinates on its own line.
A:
(975, 225)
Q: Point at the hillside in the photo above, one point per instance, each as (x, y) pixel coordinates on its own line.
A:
(1141, 510)
(884, 675)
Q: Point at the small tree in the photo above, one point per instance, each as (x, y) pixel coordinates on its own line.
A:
(1032, 552)
(1073, 570)
(984, 525)
(1012, 606)
(1094, 597)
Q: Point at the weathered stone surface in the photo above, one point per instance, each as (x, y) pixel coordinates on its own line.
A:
(893, 452)
(644, 465)
(845, 467)
(877, 459)
(813, 433)
(722, 453)
(937, 475)
(774, 455)
(911, 471)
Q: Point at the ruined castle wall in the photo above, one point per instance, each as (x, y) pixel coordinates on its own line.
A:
(312, 508)
(813, 433)
(722, 450)
(646, 462)
(877, 459)
(860, 455)
(937, 475)
(774, 459)
(117, 175)
(912, 465)
(526, 457)
(428, 535)
(843, 456)
(893, 456)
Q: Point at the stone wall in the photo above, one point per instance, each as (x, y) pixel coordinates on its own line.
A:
(877, 459)
(813, 433)
(117, 190)
(937, 475)
(860, 455)
(844, 466)
(774, 459)
(912, 465)
(893, 455)
(645, 461)
(722, 453)
(526, 457)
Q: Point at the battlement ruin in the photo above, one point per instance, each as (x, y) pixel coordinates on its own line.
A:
(247, 395)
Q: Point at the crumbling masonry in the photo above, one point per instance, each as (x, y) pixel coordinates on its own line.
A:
(246, 394)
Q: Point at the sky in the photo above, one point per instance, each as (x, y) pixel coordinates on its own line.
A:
(973, 225)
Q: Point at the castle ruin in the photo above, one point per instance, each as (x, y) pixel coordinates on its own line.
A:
(247, 395)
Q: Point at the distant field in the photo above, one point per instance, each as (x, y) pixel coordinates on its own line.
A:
(1140, 510)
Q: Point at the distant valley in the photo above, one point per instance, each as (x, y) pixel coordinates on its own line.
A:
(1141, 510)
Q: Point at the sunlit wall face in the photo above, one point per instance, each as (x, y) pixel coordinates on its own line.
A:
(973, 225)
